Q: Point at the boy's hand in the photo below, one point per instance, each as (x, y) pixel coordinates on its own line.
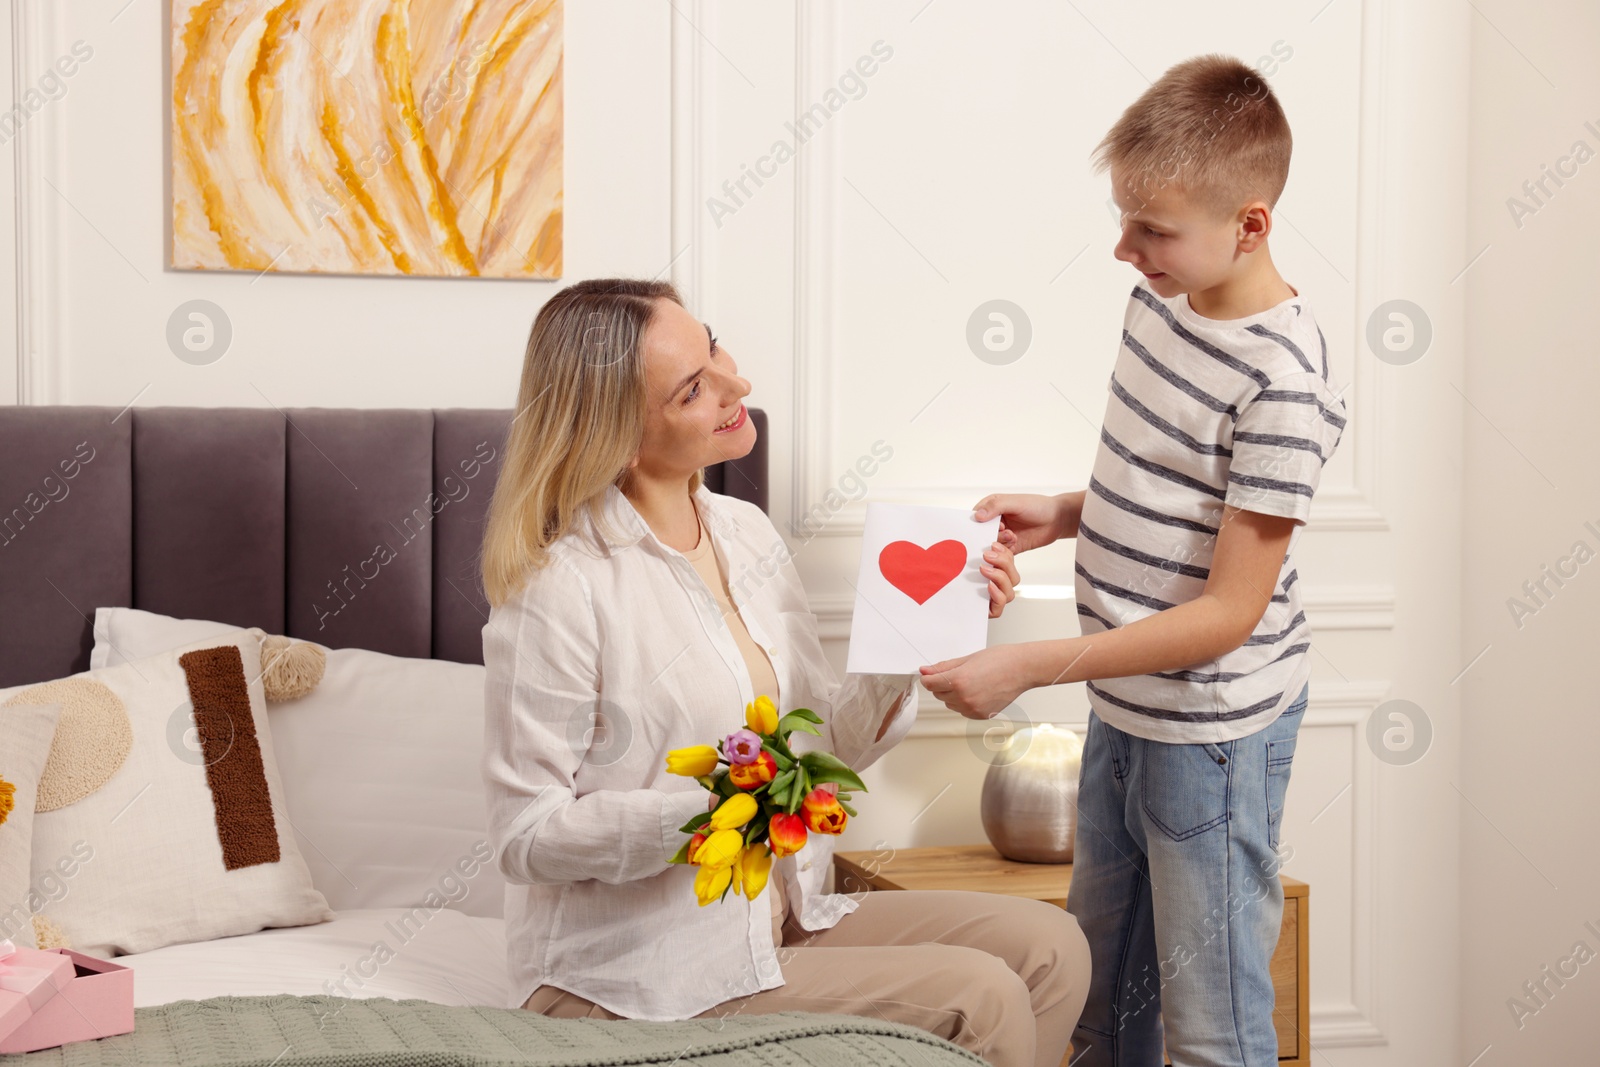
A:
(1031, 519)
(979, 686)
(1000, 568)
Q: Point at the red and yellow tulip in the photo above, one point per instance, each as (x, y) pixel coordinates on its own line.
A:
(754, 775)
(786, 834)
(821, 812)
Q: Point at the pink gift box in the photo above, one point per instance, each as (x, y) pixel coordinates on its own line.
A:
(94, 999)
(29, 979)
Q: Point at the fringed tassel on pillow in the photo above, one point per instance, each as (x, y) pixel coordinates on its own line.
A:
(48, 935)
(290, 669)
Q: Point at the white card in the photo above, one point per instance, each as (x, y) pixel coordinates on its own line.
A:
(920, 597)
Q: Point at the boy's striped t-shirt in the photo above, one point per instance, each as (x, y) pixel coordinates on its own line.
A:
(1203, 413)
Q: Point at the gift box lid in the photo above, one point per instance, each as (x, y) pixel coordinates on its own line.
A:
(29, 978)
(97, 1002)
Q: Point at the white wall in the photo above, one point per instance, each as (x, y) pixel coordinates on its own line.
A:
(1529, 875)
(94, 181)
(955, 174)
(845, 283)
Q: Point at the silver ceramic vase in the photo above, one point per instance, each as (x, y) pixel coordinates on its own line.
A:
(1030, 794)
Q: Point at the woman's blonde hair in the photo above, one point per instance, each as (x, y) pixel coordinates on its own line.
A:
(578, 422)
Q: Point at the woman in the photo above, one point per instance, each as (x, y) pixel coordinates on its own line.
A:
(633, 612)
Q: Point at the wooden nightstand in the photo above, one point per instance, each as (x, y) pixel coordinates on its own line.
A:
(981, 868)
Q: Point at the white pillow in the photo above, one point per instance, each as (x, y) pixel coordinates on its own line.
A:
(25, 736)
(381, 765)
(161, 783)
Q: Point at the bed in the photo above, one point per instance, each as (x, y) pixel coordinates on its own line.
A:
(178, 523)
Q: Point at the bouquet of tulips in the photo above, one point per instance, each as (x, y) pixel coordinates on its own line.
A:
(771, 800)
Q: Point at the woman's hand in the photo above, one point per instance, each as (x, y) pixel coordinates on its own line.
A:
(1000, 568)
(979, 686)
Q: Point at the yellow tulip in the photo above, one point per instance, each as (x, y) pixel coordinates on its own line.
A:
(737, 867)
(709, 882)
(721, 849)
(762, 716)
(692, 762)
(734, 812)
(754, 866)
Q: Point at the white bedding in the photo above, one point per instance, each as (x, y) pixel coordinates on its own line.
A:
(442, 956)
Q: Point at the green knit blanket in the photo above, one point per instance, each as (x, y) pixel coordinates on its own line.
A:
(323, 1031)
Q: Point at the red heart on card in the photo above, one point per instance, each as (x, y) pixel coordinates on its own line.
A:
(921, 572)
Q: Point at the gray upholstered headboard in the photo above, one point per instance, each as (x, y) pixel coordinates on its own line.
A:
(349, 527)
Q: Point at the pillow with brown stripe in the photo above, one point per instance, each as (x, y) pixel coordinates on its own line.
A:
(161, 772)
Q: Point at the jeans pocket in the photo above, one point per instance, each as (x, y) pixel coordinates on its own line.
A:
(1280, 755)
(1185, 787)
(1117, 745)
(1116, 749)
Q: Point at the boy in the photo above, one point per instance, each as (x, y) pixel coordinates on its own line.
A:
(1194, 647)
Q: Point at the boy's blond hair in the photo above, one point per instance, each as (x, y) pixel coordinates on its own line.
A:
(1210, 128)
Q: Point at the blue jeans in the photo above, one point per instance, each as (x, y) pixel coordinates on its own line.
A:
(1175, 884)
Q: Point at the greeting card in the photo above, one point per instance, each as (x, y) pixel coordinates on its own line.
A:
(920, 597)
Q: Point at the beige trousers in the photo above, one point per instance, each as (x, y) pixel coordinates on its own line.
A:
(1001, 976)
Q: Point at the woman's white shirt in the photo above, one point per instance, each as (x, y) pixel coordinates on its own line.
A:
(611, 655)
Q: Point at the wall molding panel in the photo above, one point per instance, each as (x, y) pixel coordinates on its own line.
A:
(35, 32)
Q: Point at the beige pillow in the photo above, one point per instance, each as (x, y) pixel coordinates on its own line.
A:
(25, 734)
(381, 769)
(161, 782)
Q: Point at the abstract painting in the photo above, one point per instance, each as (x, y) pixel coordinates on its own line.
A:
(408, 137)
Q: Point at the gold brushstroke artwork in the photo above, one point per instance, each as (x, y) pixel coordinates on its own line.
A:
(414, 137)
